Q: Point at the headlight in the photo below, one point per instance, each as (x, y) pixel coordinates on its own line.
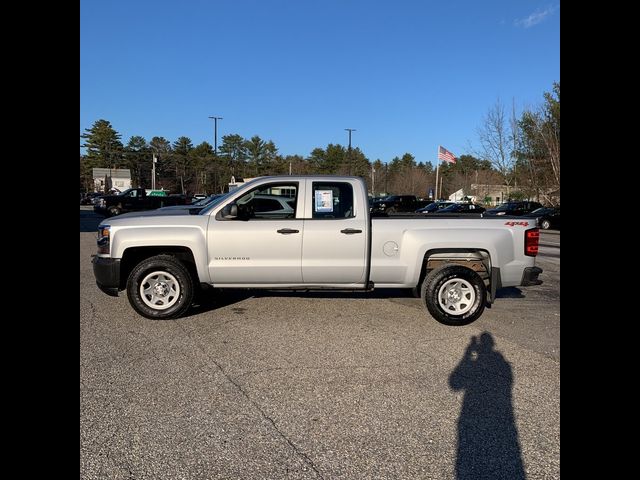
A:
(382, 205)
(104, 239)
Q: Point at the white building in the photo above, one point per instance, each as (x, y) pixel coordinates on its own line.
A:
(459, 195)
(120, 178)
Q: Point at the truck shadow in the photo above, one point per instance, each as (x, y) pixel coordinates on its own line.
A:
(509, 292)
(211, 299)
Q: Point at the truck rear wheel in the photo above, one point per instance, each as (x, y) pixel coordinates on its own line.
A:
(160, 288)
(454, 295)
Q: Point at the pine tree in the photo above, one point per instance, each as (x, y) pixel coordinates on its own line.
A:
(104, 148)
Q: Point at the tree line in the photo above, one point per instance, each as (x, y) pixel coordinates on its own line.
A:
(523, 154)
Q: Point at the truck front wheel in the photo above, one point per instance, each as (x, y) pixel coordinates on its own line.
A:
(160, 288)
(454, 295)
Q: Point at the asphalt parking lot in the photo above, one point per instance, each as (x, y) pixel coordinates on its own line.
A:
(302, 385)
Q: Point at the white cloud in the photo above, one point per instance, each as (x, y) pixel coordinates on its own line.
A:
(535, 18)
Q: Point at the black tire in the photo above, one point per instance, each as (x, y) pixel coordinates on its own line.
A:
(391, 210)
(457, 283)
(545, 224)
(170, 288)
(113, 211)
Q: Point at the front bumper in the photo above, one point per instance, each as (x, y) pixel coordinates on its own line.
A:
(107, 273)
(530, 276)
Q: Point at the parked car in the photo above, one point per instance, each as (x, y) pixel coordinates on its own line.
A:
(513, 208)
(395, 203)
(373, 200)
(87, 198)
(199, 196)
(462, 208)
(433, 207)
(187, 209)
(135, 199)
(268, 206)
(549, 217)
(196, 206)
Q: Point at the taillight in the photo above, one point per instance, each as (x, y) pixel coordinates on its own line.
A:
(531, 239)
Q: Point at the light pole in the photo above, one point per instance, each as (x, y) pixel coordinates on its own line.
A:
(373, 180)
(386, 172)
(350, 130)
(153, 172)
(215, 134)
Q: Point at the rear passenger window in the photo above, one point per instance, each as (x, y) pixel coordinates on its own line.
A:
(332, 200)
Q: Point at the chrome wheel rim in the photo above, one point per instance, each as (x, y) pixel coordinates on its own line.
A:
(456, 296)
(159, 290)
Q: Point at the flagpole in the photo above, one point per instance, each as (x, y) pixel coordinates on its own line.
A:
(437, 168)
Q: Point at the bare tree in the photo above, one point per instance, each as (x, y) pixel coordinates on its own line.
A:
(540, 145)
(496, 136)
(550, 136)
(515, 141)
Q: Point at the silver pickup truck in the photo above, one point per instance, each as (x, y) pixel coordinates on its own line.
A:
(312, 232)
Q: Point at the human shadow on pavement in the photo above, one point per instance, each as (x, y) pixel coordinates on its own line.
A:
(488, 445)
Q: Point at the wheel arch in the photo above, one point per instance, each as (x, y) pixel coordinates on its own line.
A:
(132, 256)
(476, 259)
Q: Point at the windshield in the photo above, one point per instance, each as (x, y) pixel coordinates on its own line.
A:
(542, 211)
(451, 208)
(507, 206)
(213, 203)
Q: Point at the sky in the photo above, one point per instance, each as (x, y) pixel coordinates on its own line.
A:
(407, 75)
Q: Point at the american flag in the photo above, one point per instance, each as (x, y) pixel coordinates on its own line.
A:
(446, 155)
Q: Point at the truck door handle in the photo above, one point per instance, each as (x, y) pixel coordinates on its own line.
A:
(287, 231)
(350, 231)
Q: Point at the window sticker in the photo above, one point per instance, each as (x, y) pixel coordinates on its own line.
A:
(324, 201)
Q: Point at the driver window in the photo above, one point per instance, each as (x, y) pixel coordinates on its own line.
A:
(269, 202)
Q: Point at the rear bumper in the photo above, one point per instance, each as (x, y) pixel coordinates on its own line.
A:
(530, 276)
(107, 273)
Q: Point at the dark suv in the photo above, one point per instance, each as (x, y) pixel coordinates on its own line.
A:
(395, 203)
(513, 208)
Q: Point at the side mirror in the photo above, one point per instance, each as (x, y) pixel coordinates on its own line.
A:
(230, 211)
